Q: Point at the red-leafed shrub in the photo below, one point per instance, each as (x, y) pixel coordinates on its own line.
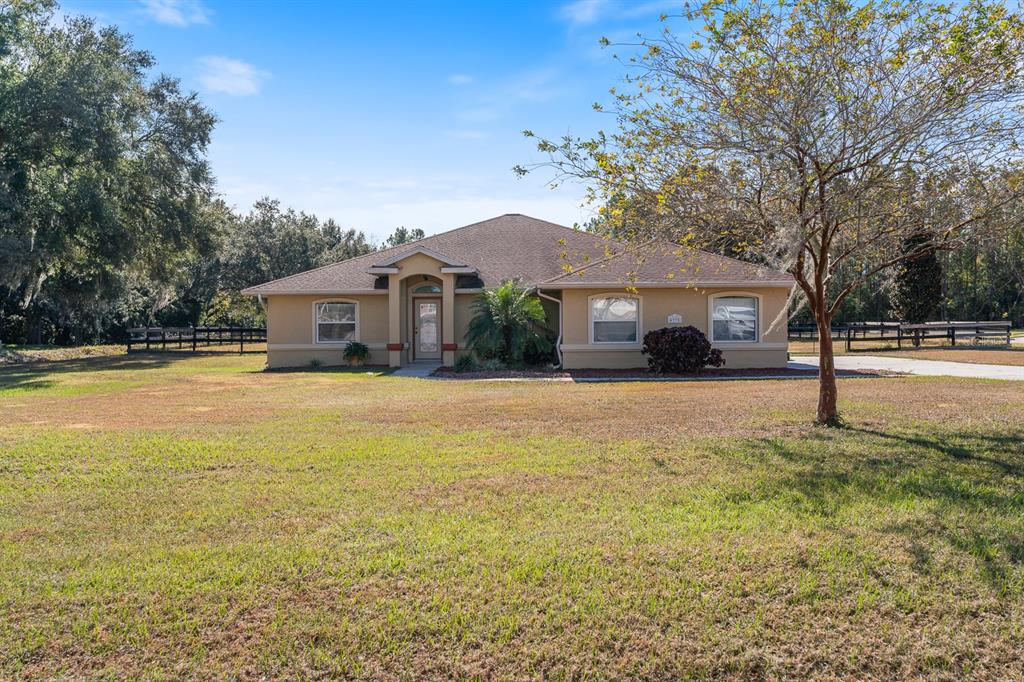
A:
(680, 350)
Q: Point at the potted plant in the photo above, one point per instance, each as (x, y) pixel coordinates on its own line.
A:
(356, 353)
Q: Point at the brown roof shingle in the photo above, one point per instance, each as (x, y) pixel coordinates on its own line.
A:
(665, 264)
(535, 251)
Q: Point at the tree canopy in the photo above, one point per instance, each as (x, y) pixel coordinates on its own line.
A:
(403, 235)
(814, 136)
(108, 211)
(102, 170)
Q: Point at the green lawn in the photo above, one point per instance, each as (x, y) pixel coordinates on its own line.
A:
(171, 516)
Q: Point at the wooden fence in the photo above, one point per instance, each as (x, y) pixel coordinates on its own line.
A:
(193, 338)
(949, 332)
(888, 332)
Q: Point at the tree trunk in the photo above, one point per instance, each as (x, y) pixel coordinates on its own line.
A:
(33, 327)
(507, 334)
(828, 413)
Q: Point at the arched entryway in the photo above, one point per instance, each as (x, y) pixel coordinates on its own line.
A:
(425, 321)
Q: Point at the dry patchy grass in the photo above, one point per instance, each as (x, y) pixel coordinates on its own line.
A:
(163, 516)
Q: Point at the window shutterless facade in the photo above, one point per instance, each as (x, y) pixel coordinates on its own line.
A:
(735, 318)
(614, 319)
(336, 321)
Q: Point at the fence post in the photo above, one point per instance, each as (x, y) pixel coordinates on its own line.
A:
(193, 338)
(241, 341)
(848, 330)
(899, 337)
(147, 338)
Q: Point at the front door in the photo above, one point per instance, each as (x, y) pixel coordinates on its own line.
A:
(427, 329)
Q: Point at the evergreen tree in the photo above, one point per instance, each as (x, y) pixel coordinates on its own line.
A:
(916, 288)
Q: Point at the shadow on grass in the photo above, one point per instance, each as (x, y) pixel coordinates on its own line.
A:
(332, 369)
(35, 375)
(961, 490)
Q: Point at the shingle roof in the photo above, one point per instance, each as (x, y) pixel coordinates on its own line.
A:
(535, 251)
(666, 264)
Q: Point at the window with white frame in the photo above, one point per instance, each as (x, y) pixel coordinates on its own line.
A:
(427, 289)
(614, 319)
(734, 318)
(335, 322)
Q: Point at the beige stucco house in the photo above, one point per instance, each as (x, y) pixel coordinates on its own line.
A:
(412, 303)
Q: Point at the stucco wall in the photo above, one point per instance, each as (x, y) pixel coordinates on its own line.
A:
(290, 330)
(291, 341)
(655, 307)
(463, 314)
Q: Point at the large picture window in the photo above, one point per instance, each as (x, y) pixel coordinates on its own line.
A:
(614, 319)
(335, 322)
(734, 318)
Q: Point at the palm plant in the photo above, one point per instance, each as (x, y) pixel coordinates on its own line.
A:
(507, 324)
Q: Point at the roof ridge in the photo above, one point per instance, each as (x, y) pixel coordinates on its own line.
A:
(397, 247)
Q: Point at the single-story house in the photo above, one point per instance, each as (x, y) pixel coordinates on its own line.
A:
(412, 302)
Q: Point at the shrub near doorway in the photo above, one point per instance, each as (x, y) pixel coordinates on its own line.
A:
(356, 353)
(508, 326)
(680, 350)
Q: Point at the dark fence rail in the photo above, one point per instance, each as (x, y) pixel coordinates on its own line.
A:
(193, 338)
(898, 332)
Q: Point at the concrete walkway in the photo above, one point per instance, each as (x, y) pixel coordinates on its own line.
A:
(417, 370)
(935, 368)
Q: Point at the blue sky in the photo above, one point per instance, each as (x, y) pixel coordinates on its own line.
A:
(379, 115)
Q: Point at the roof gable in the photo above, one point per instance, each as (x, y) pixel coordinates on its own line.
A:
(515, 246)
(396, 258)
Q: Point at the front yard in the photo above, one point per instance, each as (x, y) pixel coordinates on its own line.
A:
(171, 516)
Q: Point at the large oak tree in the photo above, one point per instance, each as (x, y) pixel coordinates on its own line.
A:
(815, 136)
(103, 166)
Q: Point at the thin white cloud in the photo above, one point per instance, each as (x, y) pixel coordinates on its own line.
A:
(460, 79)
(586, 12)
(583, 12)
(179, 13)
(504, 96)
(230, 76)
(652, 9)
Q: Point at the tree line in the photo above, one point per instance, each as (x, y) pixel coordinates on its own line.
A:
(981, 280)
(109, 216)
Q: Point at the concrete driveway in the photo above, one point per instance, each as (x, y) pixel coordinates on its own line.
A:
(935, 368)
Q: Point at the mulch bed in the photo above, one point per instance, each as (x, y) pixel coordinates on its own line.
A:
(714, 373)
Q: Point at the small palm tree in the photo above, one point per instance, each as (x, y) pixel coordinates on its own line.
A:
(507, 324)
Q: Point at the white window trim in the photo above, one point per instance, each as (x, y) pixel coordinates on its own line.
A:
(316, 326)
(711, 318)
(639, 321)
(440, 289)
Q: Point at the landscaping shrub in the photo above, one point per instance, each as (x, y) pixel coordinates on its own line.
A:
(678, 350)
(491, 365)
(508, 324)
(465, 363)
(356, 353)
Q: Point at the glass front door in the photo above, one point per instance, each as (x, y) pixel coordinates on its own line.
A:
(427, 328)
